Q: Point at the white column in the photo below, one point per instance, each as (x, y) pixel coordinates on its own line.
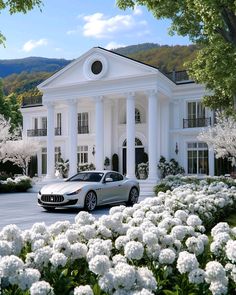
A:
(211, 162)
(130, 130)
(50, 142)
(152, 135)
(99, 131)
(72, 132)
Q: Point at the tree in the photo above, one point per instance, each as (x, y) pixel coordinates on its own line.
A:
(14, 6)
(222, 137)
(4, 106)
(212, 24)
(5, 131)
(19, 152)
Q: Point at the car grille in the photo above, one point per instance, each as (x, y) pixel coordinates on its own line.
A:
(52, 198)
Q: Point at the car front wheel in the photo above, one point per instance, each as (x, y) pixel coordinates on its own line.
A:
(90, 201)
(133, 196)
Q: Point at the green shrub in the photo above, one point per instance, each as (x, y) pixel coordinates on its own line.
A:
(19, 184)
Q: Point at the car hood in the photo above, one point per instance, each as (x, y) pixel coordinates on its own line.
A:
(64, 187)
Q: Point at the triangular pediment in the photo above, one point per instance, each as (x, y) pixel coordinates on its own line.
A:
(97, 64)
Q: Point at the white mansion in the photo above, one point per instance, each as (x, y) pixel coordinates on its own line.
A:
(104, 104)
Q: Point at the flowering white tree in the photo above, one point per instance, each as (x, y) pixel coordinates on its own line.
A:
(222, 137)
(19, 152)
(5, 126)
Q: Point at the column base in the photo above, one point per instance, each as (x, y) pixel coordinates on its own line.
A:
(153, 178)
(131, 176)
(50, 176)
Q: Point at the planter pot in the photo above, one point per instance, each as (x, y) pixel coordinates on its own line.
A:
(142, 175)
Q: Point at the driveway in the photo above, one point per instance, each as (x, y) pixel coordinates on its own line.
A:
(22, 209)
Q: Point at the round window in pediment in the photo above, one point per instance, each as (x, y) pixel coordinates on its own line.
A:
(96, 67)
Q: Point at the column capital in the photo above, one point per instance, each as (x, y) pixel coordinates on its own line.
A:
(98, 98)
(130, 95)
(152, 92)
(49, 104)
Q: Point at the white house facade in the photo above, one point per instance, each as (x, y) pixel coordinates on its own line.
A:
(104, 104)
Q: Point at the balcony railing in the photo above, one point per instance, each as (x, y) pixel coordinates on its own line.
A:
(83, 129)
(29, 101)
(41, 132)
(179, 76)
(197, 122)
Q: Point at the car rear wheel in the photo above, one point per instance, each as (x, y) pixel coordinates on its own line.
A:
(90, 201)
(49, 209)
(133, 196)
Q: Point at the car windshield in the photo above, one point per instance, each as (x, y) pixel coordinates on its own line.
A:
(87, 176)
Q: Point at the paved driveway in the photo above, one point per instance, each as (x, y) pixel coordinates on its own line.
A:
(22, 209)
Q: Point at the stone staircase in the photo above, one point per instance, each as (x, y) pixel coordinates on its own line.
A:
(146, 187)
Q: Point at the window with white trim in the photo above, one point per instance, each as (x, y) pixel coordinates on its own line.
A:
(82, 154)
(197, 155)
(137, 116)
(83, 124)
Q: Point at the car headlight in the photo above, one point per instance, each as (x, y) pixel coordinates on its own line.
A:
(75, 193)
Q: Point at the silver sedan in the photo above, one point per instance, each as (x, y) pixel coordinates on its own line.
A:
(89, 189)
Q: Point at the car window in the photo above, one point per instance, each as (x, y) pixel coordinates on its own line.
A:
(114, 176)
(87, 176)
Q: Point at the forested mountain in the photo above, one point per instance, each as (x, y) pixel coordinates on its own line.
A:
(31, 64)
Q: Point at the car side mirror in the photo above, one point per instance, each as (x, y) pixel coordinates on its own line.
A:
(108, 179)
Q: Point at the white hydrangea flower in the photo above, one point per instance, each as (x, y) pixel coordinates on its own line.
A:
(167, 256)
(83, 290)
(214, 271)
(37, 244)
(104, 231)
(42, 256)
(135, 234)
(118, 258)
(196, 276)
(99, 264)
(124, 276)
(150, 239)
(179, 232)
(58, 259)
(5, 248)
(84, 218)
(134, 250)
(106, 282)
(116, 209)
(217, 288)
(153, 251)
(99, 247)
(186, 262)
(145, 279)
(87, 232)
(230, 250)
(194, 220)
(41, 288)
(24, 278)
(62, 245)
(220, 227)
(59, 227)
(121, 241)
(195, 245)
(72, 235)
(78, 250)
(181, 214)
(9, 265)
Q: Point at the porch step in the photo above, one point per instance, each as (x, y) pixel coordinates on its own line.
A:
(146, 187)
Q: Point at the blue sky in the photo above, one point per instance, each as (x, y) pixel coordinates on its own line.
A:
(68, 28)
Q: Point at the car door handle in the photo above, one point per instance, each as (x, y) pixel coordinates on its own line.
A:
(120, 185)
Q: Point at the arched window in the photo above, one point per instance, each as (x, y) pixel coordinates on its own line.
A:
(137, 116)
(138, 142)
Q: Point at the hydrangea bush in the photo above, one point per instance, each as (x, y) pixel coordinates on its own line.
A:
(158, 246)
(18, 184)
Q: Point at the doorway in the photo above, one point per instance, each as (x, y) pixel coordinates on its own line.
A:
(139, 154)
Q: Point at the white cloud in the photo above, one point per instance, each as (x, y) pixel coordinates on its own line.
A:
(32, 44)
(99, 26)
(137, 10)
(114, 45)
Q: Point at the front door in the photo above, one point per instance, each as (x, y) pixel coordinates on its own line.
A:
(139, 156)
